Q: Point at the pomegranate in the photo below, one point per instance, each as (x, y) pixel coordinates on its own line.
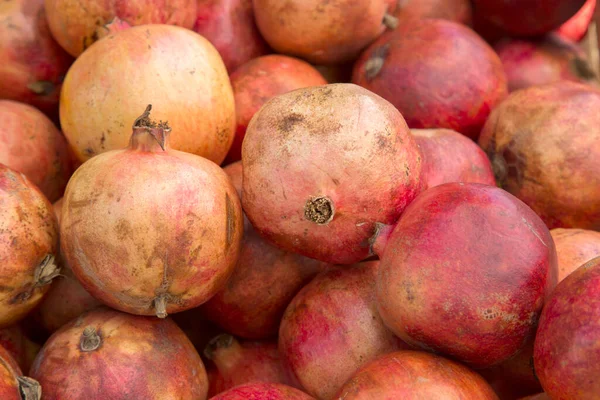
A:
(33, 64)
(460, 11)
(449, 156)
(494, 263)
(547, 60)
(574, 247)
(229, 25)
(323, 31)
(31, 144)
(528, 17)
(263, 283)
(261, 79)
(120, 356)
(415, 375)
(544, 144)
(439, 74)
(13, 385)
(174, 219)
(28, 245)
(332, 328)
(263, 391)
(175, 69)
(239, 363)
(302, 198)
(76, 28)
(22, 349)
(567, 345)
(576, 27)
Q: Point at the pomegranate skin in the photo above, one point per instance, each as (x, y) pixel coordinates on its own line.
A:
(76, 28)
(460, 11)
(543, 61)
(174, 219)
(28, 246)
(458, 233)
(574, 247)
(263, 283)
(321, 31)
(258, 81)
(33, 64)
(22, 349)
(108, 85)
(529, 17)
(439, 74)
(120, 356)
(229, 25)
(525, 139)
(297, 198)
(576, 27)
(262, 391)
(14, 386)
(31, 144)
(449, 156)
(415, 375)
(332, 328)
(567, 345)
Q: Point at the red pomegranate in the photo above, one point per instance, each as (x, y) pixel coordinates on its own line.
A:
(174, 219)
(31, 144)
(13, 385)
(439, 74)
(174, 69)
(332, 328)
(22, 349)
(229, 25)
(263, 283)
(574, 247)
(33, 64)
(546, 60)
(460, 11)
(258, 81)
(449, 156)
(467, 250)
(576, 27)
(567, 345)
(306, 186)
(76, 28)
(28, 246)
(106, 354)
(262, 391)
(323, 31)
(544, 145)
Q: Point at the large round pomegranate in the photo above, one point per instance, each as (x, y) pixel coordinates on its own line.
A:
(13, 385)
(263, 391)
(544, 144)
(576, 27)
(31, 144)
(574, 247)
(567, 345)
(28, 246)
(322, 31)
(465, 273)
(438, 73)
(76, 27)
(261, 79)
(323, 165)
(33, 64)
(106, 354)
(150, 230)
(460, 11)
(176, 70)
(263, 283)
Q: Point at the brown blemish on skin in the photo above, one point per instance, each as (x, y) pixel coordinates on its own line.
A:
(290, 121)
(230, 223)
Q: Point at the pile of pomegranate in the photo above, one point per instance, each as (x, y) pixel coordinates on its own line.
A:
(299, 200)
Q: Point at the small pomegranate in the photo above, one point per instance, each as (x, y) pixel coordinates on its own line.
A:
(76, 28)
(174, 219)
(229, 25)
(567, 345)
(261, 79)
(303, 199)
(31, 144)
(574, 247)
(415, 375)
(576, 27)
(460, 11)
(33, 64)
(449, 156)
(22, 349)
(332, 328)
(494, 264)
(263, 391)
(323, 31)
(28, 246)
(13, 385)
(264, 281)
(120, 356)
(544, 145)
(175, 69)
(438, 73)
